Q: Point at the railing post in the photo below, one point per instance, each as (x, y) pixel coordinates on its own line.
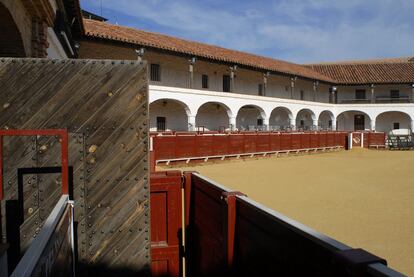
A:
(372, 93)
(185, 221)
(230, 198)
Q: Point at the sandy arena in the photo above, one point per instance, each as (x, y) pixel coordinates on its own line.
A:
(363, 198)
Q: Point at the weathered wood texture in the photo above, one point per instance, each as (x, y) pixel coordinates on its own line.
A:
(104, 105)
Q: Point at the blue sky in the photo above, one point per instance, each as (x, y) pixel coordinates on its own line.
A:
(301, 31)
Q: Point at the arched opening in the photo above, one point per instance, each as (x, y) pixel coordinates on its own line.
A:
(280, 119)
(305, 120)
(168, 115)
(388, 121)
(11, 43)
(353, 121)
(325, 120)
(250, 117)
(213, 116)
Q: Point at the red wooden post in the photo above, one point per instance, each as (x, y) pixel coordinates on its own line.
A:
(230, 198)
(187, 194)
(231, 228)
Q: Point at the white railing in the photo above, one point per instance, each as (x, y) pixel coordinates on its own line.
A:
(42, 253)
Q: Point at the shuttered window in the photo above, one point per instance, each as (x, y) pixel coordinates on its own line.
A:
(260, 89)
(360, 94)
(155, 72)
(395, 93)
(226, 83)
(204, 81)
(161, 123)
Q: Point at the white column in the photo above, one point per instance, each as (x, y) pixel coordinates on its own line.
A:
(412, 92)
(372, 93)
(292, 86)
(350, 140)
(334, 124)
(266, 123)
(232, 123)
(315, 89)
(412, 125)
(293, 123)
(372, 124)
(265, 76)
(191, 122)
(232, 75)
(315, 123)
(192, 62)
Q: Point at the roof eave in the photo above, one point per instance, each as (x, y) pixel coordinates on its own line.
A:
(176, 52)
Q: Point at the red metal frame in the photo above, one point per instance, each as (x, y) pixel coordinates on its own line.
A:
(62, 133)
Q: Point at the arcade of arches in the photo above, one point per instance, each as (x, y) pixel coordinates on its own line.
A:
(173, 115)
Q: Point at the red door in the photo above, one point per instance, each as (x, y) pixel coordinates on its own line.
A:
(166, 223)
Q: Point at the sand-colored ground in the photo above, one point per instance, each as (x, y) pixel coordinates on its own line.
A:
(364, 198)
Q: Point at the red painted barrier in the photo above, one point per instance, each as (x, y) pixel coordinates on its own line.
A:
(231, 235)
(165, 223)
(228, 234)
(377, 139)
(285, 141)
(194, 145)
(207, 221)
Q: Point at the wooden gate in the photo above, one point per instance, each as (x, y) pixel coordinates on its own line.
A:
(103, 105)
(166, 223)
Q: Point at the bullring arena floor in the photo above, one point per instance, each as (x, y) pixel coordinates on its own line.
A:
(364, 198)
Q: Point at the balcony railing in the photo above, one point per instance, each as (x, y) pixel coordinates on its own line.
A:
(401, 99)
(378, 100)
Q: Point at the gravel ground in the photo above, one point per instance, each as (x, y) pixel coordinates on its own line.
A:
(363, 198)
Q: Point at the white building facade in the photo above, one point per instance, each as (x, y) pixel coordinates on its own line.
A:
(193, 86)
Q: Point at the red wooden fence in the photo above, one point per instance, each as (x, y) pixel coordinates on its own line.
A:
(193, 145)
(231, 235)
(228, 234)
(165, 223)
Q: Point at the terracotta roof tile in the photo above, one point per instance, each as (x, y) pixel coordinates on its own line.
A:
(104, 30)
(378, 72)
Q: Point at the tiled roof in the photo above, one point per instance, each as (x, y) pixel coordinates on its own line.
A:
(98, 29)
(379, 71)
(370, 61)
(386, 71)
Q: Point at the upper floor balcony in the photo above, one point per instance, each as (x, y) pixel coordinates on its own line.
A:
(176, 108)
(378, 100)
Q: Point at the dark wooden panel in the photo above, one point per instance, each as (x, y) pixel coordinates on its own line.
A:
(104, 105)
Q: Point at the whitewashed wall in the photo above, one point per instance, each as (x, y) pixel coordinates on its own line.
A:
(280, 117)
(194, 99)
(175, 72)
(212, 116)
(247, 116)
(348, 92)
(385, 122)
(307, 116)
(345, 121)
(175, 114)
(324, 118)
